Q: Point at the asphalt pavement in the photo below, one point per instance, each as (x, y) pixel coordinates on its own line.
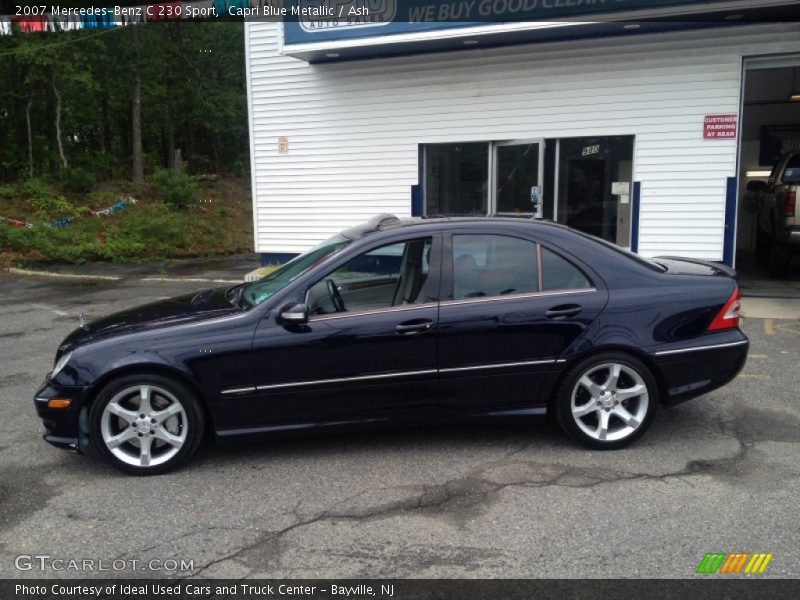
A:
(718, 474)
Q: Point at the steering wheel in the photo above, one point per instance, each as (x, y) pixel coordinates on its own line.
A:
(336, 296)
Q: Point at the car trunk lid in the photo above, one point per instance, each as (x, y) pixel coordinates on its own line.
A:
(680, 265)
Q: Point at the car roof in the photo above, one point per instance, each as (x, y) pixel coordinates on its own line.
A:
(386, 222)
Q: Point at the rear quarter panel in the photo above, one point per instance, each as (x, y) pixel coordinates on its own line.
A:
(650, 312)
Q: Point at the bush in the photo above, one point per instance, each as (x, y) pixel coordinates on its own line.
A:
(149, 229)
(176, 189)
(145, 231)
(44, 203)
(77, 180)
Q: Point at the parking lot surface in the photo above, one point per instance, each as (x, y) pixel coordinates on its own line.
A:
(718, 474)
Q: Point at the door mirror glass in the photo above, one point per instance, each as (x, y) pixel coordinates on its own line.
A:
(295, 314)
(756, 186)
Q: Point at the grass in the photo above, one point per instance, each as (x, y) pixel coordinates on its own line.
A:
(213, 219)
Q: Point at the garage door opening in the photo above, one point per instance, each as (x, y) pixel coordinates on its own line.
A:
(770, 147)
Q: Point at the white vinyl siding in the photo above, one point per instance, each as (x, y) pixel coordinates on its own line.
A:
(354, 128)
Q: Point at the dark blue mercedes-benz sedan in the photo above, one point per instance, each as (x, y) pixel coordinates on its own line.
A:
(402, 322)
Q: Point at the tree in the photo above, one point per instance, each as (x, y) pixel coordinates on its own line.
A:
(136, 114)
(123, 102)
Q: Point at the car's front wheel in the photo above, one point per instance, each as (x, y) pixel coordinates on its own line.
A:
(146, 424)
(607, 401)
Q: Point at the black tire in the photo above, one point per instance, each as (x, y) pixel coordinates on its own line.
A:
(562, 406)
(780, 260)
(186, 426)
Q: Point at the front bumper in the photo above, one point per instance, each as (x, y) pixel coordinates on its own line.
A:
(61, 425)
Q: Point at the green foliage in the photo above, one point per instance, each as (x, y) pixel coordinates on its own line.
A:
(177, 189)
(44, 203)
(143, 232)
(192, 92)
(77, 180)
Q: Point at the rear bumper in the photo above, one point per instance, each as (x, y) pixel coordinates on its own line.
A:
(694, 369)
(61, 426)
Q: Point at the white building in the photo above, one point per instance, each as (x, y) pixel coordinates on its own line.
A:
(641, 132)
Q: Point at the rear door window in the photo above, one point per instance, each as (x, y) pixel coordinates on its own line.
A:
(493, 265)
(560, 274)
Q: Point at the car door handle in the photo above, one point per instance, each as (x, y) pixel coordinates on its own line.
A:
(414, 327)
(563, 311)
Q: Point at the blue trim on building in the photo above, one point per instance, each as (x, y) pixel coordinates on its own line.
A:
(276, 258)
(728, 248)
(416, 200)
(489, 40)
(636, 202)
(415, 16)
(417, 191)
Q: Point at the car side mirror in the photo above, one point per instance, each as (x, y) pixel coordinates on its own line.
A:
(756, 186)
(295, 314)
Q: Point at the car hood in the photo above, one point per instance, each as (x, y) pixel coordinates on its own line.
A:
(192, 307)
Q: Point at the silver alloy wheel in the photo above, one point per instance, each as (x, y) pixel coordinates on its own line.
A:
(144, 425)
(609, 402)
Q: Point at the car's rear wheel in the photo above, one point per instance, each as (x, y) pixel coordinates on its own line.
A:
(146, 424)
(607, 401)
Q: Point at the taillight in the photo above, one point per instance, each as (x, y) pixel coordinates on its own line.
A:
(728, 317)
(789, 203)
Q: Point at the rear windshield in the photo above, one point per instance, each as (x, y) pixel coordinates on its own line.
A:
(650, 264)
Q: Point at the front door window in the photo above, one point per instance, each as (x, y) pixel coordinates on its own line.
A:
(392, 275)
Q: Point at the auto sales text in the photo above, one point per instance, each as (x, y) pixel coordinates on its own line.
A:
(192, 589)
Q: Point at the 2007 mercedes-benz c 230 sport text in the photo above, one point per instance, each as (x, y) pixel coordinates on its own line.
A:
(403, 322)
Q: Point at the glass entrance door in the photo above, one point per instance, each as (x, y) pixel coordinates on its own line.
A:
(517, 172)
(595, 186)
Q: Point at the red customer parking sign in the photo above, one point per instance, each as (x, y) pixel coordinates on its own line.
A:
(720, 127)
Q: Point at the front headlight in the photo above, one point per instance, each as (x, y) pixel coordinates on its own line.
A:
(61, 363)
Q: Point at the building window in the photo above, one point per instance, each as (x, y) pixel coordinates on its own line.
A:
(585, 183)
(456, 179)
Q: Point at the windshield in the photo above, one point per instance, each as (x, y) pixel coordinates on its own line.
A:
(258, 291)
